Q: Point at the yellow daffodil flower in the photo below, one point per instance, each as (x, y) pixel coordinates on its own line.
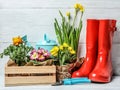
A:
(78, 7)
(81, 8)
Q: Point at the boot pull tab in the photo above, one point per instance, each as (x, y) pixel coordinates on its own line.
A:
(113, 25)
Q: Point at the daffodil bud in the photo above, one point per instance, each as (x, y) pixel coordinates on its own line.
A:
(81, 8)
(76, 6)
(68, 14)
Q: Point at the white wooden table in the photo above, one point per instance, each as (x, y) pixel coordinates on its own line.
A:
(113, 85)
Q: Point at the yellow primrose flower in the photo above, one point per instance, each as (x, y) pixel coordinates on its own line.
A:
(65, 45)
(72, 52)
(70, 48)
(61, 47)
(55, 49)
(68, 14)
(54, 53)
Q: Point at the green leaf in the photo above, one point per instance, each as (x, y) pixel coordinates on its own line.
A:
(58, 31)
(6, 52)
(1, 55)
(61, 14)
(57, 24)
(57, 34)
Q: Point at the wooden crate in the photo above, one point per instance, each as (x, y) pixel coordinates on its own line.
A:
(29, 75)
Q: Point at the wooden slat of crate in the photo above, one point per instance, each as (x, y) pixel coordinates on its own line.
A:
(29, 80)
(29, 69)
(27, 75)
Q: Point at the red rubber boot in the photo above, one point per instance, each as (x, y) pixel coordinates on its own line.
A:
(91, 49)
(103, 69)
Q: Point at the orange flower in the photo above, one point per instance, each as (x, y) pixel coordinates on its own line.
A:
(17, 40)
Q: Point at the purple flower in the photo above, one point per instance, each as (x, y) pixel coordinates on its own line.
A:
(41, 58)
(33, 51)
(39, 51)
(42, 50)
(34, 56)
(40, 54)
(46, 54)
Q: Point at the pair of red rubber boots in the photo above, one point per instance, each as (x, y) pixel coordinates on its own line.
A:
(98, 65)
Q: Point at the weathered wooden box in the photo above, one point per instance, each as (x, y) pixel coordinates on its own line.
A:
(29, 75)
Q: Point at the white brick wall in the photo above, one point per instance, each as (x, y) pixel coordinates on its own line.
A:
(36, 17)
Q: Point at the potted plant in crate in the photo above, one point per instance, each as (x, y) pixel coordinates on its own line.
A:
(28, 65)
(18, 51)
(68, 38)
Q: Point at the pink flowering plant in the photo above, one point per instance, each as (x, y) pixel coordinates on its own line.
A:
(40, 55)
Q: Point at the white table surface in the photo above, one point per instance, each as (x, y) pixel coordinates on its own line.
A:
(113, 85)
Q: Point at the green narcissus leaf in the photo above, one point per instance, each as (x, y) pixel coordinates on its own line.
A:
(61, 14)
